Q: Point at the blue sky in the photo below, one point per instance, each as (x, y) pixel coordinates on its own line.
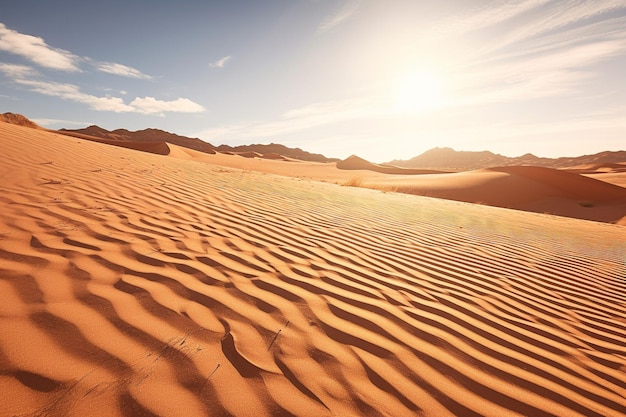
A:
(383, 80)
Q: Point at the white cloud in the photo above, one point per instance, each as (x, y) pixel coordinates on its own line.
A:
(72, 92)
(121, 70)
(544, 48)
(16, 71)
(39, 52)
(50, 123)
(329, 110)
(36, 50)
(220, 63)
(538, 17)
(491, 14)
(150, 105)
(298, 119)
(562, 14)
(564, 71)
(346, 11)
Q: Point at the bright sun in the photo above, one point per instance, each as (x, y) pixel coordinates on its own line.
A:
(418, 91)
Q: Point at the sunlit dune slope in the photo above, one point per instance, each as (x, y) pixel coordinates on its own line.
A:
(135, 284)
(611, 173)
(536, 189)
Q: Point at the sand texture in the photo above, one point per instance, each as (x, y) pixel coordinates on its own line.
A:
(140, 284)
(536, 189)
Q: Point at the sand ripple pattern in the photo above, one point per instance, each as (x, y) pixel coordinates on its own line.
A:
(135, 284)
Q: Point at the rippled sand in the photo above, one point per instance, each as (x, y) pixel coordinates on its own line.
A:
(138, 284)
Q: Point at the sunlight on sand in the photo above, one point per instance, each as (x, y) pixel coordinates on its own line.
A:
(135, 283)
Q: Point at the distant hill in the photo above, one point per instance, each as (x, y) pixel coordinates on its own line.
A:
(146, 135)
(277, 149)
(354, 162)
(156, 135)
(449, 159)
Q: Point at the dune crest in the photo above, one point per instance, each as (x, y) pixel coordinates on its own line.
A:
(136, 284)
(527, 188)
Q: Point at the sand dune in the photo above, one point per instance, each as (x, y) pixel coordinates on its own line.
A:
(135, 284)
(535, 189)
(598, 168)
(611, 173)
(157, 147)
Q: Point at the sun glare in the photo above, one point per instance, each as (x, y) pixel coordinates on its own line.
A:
(418, 91)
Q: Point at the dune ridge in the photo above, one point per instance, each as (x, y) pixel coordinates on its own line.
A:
(157, 135)
(528, 188)
(141, 284)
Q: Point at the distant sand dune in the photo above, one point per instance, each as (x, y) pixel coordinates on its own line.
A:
(159, 148)
(536, 189)
(141, 284)
(598, 168)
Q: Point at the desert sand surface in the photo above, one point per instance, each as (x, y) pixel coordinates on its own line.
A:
(598, 197)
(595, 192)
(138, 284)
(589, 193)
(611, 173)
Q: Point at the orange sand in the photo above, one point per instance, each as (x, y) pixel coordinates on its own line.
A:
(137, 284)
(597, 195)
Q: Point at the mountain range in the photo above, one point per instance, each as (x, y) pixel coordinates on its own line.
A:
(440, 159)
(449, 159)
(156, 135)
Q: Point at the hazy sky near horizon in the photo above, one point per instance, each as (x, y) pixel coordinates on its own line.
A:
(381, 79)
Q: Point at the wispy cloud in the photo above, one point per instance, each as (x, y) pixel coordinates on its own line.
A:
(72, 92)
(296, 120)
(50, 123)
(517, 135)
(16, 71)
(150, 105)
(121, 70)
(40, 53)
(37, 50)
(347, 10)
(490, 14)
(526, 21)
(567, 21)
(26, 76)
(220, 63)
(557, 73)
(544, 48)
